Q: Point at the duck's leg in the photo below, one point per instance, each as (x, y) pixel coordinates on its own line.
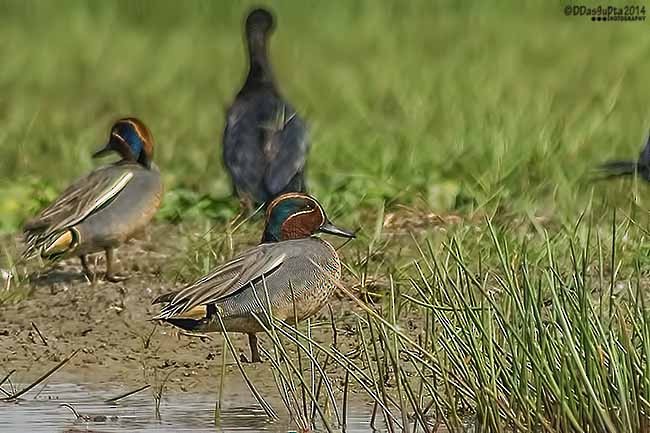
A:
(252, 342)
(84, 265)
(110, 262)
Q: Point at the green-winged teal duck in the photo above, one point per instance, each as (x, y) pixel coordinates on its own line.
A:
(105, 208)
(265, 143)
(290, 258)
(626, 168)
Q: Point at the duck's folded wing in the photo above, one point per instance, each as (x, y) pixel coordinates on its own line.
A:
(644, 157)
(226, 280)
(242, 151)
(81, 199)
(286, 149)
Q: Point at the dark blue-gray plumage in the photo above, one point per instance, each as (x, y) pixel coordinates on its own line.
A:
(624, 168)
(265, 142)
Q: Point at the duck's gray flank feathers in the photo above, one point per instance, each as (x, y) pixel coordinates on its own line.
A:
(226, 280)
(283, 267)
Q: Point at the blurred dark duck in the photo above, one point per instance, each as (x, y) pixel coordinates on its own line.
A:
(104, 209)
(289, 260)
(265, 142)
(625, 168)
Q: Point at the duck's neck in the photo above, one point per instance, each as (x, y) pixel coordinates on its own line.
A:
(125, 153)
(129, 158)
(259, 72)
(271, 235)
(144, 160)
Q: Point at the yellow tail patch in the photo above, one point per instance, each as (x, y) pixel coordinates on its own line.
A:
(196, 313)
(60, 245)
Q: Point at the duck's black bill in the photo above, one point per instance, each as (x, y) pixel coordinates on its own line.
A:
(331, 229)
(115, 144)
(103, 151)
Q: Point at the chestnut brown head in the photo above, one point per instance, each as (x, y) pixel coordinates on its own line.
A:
(295, 216)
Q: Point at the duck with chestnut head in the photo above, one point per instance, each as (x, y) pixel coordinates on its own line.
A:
(291, 264)
(103, 209)
(265, 142)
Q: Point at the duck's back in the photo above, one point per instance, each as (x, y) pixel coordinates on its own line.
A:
(265, 145)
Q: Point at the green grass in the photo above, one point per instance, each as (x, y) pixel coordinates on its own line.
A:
(451, 104)
(528, 345)
(478, 111)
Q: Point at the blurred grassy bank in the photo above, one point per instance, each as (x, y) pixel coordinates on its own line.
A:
(453, 106)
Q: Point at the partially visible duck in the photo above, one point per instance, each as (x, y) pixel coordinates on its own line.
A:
(626, 168)
(265, 142)
(105, 208)
(289, 260)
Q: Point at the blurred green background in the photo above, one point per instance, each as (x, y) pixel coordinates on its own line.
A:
(425, 117)
(446, 106)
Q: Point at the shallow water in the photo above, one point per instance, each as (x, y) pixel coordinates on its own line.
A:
(181, 412)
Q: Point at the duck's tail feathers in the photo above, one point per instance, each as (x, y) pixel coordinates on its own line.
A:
(186, 324)
(49, 246)
(164, 299)
(177, 310)
(170, 309)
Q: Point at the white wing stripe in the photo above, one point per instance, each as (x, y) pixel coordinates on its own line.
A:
(110, 193)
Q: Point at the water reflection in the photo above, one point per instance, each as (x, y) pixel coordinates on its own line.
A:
(182, 412)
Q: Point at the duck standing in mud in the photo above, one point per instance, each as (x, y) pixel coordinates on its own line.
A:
(265, 142)
(103, 209)
(291, 260)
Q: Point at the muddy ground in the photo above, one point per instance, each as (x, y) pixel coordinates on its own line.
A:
(109, 324)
